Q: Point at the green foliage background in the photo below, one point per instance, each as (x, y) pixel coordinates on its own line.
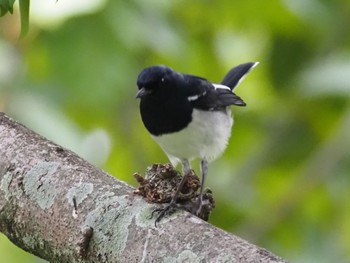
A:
(284, 181)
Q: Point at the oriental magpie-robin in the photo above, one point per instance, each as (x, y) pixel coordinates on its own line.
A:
(188, 116)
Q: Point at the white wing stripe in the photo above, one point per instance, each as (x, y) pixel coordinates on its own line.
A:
(220, 86)
(194, 97)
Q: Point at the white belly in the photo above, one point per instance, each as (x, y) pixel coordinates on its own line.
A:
(205, 137)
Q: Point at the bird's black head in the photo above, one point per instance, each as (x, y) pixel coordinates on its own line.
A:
(152, 79)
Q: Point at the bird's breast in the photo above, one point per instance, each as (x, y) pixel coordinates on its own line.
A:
(206, 136)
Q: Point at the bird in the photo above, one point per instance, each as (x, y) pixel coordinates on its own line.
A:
(189, 117)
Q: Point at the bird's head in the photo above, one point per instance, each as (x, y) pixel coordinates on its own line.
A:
(152, 79)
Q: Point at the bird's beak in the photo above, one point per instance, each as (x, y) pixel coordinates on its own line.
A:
(142, 92)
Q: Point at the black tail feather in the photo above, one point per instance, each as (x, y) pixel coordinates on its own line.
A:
(236, 74)
(228, 98)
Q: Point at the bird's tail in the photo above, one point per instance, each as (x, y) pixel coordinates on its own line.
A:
(237, 74)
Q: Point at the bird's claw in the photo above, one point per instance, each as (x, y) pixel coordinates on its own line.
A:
(199, 208)
(168, 209)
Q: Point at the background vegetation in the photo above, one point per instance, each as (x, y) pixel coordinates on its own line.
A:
(284, 180)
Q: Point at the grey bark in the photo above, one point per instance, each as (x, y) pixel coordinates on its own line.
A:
(59, 207)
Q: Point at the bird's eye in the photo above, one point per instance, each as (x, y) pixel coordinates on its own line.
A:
(162, 80)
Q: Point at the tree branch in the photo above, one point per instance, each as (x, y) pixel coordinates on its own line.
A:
(59, 207)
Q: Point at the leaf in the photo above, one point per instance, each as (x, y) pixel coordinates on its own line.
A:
(24, 10)
(6, 6)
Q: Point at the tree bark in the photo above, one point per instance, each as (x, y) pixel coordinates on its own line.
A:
(59, 207)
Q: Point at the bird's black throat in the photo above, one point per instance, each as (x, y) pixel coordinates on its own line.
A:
(165, 116)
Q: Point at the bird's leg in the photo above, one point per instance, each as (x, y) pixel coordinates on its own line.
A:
(186, 168)
(204, 169)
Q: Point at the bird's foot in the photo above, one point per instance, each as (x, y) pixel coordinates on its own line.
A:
(203, 206)
(167, 210)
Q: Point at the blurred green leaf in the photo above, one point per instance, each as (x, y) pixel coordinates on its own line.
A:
(24, 10)
(6, 6)
(288, 57)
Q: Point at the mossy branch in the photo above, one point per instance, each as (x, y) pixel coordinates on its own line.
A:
(59, 207)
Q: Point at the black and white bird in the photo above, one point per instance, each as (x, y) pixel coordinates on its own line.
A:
(188, 116)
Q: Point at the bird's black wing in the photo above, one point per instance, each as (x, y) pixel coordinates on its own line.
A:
(237, 74)
(196, 87)
(204, 95)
